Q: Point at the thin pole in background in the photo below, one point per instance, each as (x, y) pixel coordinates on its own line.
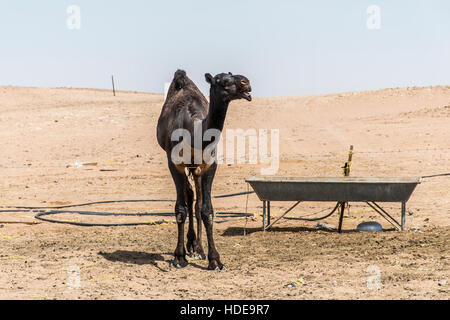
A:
(114, 89)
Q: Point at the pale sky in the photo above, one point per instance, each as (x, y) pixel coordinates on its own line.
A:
(283, 47)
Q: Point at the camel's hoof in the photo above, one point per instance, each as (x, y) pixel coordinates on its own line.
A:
(194, 256)
(178, 265)
(195, 252)
(201, 256)
(215, 265)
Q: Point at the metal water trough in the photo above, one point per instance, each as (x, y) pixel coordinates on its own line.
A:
(339, 189)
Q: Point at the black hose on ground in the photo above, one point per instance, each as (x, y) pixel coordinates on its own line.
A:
(314, 219)
(436, 175)
(119, 201)
(45, 211)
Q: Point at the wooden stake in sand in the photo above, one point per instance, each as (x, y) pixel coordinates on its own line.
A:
(346, 168)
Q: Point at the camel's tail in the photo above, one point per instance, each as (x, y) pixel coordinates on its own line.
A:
(179, 79)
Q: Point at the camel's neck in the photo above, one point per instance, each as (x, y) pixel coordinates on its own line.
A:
(217, 114)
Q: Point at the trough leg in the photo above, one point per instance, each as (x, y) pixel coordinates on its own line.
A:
(341, 217)
(403, 215)
(264, 216)
(268, 213)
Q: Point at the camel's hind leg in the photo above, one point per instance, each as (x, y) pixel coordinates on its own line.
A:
(198, 248)
(194, 243)
(189, 193)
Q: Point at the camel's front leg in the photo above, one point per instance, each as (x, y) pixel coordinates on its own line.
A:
(181, 211)
(207, 213)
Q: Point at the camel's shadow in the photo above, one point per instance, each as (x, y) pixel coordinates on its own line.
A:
(135, 257)
(240, 231)
(140, 258)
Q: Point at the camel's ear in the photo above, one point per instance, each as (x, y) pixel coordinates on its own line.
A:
(209, 78)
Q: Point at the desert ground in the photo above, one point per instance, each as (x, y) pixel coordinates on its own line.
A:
(46, 134)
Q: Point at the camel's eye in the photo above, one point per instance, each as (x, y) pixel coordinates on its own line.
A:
(243, 82)
(226, 82)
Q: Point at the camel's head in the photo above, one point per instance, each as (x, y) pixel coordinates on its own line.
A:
(229, 87)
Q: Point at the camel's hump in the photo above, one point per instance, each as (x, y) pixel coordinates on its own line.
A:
(179, 79)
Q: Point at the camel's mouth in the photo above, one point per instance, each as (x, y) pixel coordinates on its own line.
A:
(241, 88)
(247, 96)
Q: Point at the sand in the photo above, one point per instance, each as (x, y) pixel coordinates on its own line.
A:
(46, 133)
